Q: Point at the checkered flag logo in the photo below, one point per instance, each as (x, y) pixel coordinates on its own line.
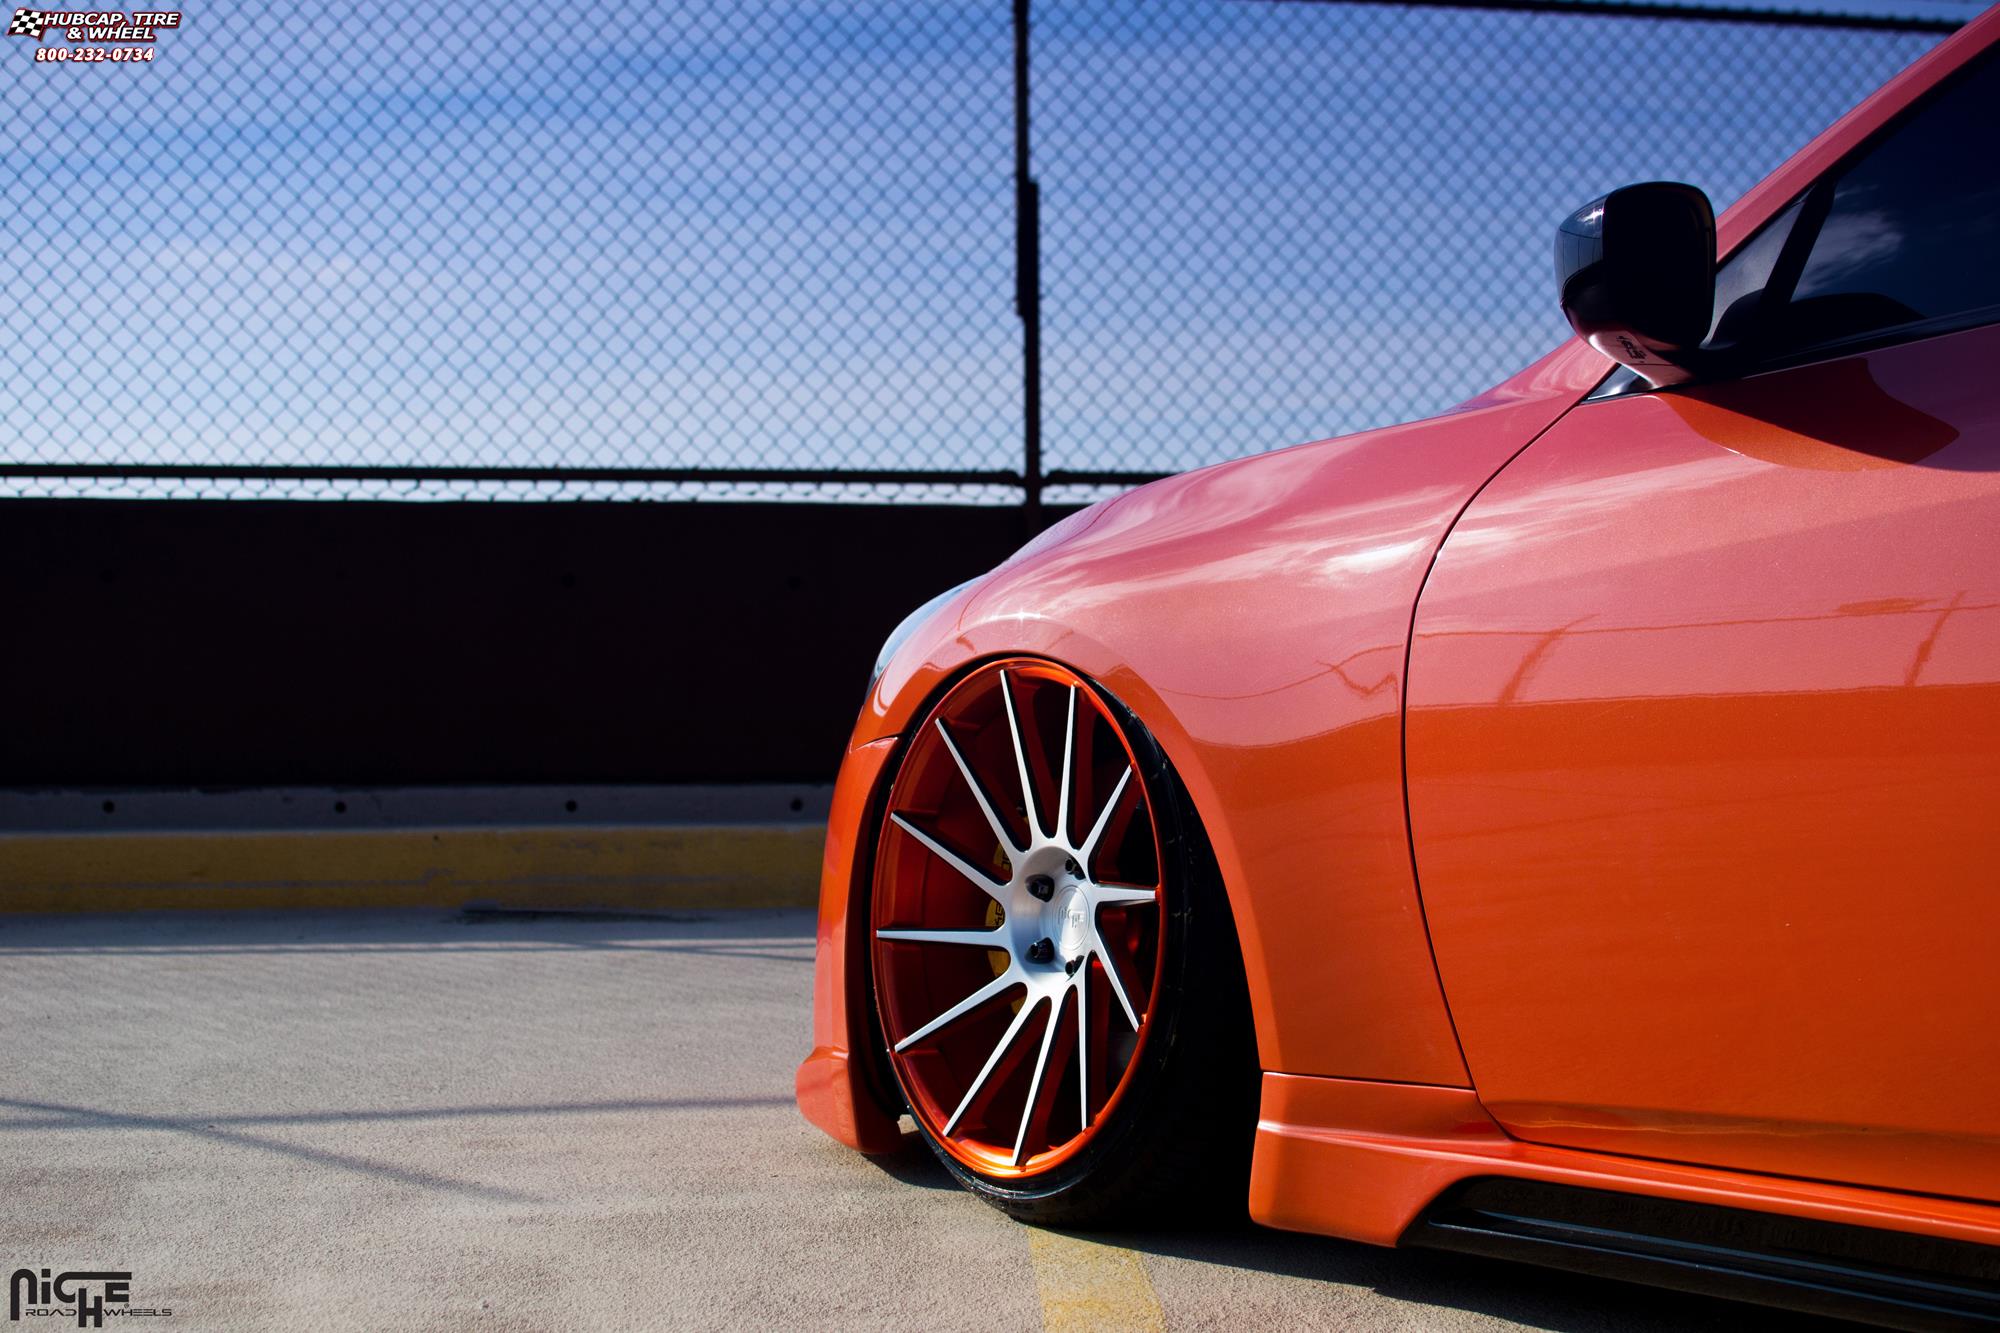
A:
(28, 23)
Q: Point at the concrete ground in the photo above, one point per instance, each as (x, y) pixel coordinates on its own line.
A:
(423, 1119)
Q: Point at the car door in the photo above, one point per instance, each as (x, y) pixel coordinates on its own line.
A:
(1704, 713)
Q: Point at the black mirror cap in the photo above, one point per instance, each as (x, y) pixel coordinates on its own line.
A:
(1636, 273)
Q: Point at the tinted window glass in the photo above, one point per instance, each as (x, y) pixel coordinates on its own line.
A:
(1907, 235)
(1740, 283)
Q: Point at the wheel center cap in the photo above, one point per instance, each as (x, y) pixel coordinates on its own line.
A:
(1072, 922)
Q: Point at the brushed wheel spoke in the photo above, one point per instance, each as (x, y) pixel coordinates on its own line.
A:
(1083, 1046)
(1020, 756)
(1004, 981)
(1035, 1084)
(1069, 752)
(979, 795)
(990, 939)
(1122, 893)
(1089, 848)
(986, 1070)
(990, 887)
(1117, 986)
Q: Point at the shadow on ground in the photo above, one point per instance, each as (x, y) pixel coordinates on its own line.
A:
(1543, 1298)
(487, 1059)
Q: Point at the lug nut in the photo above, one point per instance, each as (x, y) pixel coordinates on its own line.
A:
(1069, 968)
(1042, 887)
(1042, 951)
(1075, 870)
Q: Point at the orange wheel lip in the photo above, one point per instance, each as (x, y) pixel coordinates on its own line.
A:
(987, 1159)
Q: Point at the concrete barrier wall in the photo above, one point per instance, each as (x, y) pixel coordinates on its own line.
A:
(518, 705)
(238, 644)
(561, 848)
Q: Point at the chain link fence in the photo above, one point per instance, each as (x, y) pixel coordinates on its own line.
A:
(1267, 223)
(644, 250)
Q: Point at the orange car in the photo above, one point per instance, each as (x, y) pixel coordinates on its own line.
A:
(1568, 828)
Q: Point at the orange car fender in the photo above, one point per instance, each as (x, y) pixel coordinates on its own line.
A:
(1255, 616)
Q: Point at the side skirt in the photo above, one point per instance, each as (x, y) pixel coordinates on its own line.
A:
(1893, 1278)
(1402, 1163)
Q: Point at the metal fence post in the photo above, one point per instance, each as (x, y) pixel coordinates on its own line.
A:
(1027, 279)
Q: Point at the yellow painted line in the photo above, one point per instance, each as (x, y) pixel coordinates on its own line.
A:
(1088, 1286)
(631, 869)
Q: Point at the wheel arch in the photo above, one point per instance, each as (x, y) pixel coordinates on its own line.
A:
(1068, 647)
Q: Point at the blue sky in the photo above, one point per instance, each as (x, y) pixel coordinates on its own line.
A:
(731, 235)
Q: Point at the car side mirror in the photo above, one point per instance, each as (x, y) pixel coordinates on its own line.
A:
(1636, 273)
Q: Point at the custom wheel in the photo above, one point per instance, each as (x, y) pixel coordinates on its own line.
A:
(1034, 890)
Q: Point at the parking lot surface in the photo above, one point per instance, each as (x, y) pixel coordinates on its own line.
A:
(426, 1120)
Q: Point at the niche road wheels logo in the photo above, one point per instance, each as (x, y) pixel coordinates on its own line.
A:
(80, 1295)
(95, 36)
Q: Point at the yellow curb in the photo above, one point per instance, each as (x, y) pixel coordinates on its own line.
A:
(1089, 1287)
(631, 869)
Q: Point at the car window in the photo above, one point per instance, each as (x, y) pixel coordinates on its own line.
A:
(1904, 238)
(1740, 283)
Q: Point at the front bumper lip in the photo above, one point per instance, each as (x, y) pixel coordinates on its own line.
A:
(836, 1084)
(831, 1097)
